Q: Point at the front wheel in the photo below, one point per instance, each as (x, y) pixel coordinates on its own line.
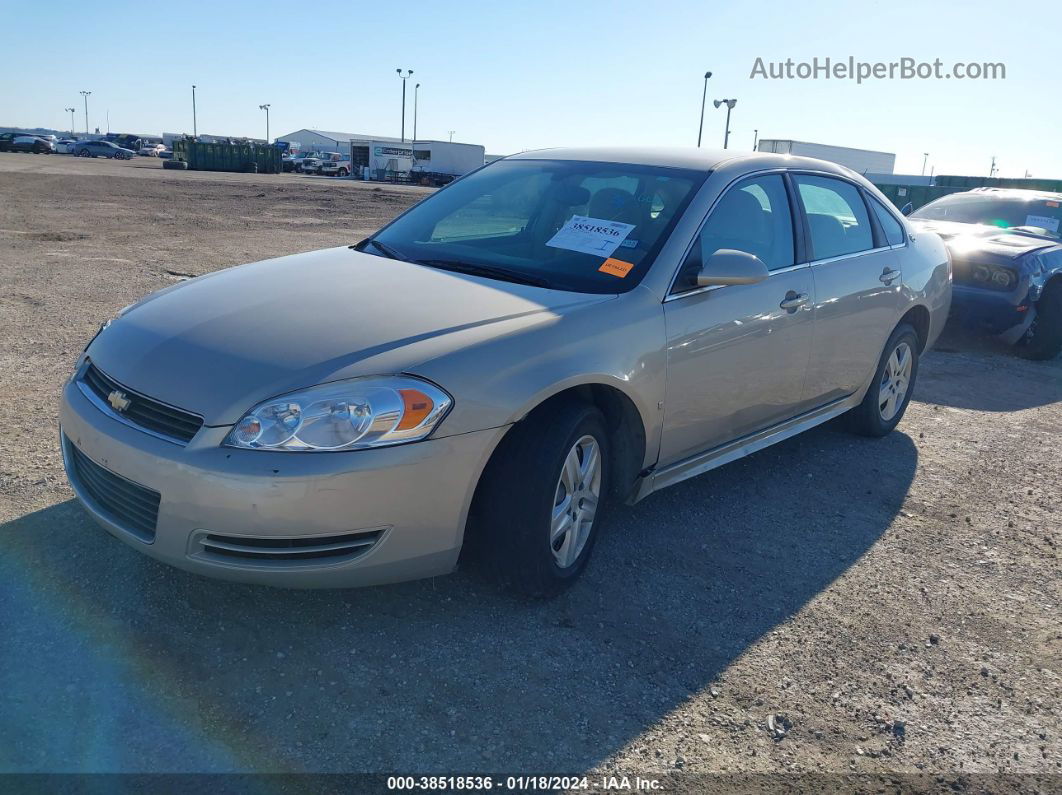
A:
(1043, 340)
(890, 390)
(342, 173)
(538, 509)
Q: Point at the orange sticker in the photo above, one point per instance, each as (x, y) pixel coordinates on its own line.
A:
(1052, 204)
(616, 267)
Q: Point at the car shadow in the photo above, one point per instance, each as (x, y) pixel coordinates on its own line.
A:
(968, 370)
(113, 662)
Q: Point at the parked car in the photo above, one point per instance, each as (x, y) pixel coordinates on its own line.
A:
(557, 330)
(65, 145)
(20, 142)
(151, 150)
(31, 143)
(1006, 252)
(102, 149)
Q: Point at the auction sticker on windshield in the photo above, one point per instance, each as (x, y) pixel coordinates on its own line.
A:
(1042, 222)
(591, 235)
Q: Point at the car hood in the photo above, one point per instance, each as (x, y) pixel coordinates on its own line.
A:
(962, 239)
(218, 344)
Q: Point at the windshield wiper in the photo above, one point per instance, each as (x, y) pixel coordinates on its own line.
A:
(383, 248)
(489, 271)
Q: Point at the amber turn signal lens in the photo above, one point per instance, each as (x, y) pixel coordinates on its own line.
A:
(415, 407)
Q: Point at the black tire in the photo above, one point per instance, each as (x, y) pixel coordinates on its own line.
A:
(1043, 340)
(869, 418)
(342, 173)
(180, 164)
(510, 523)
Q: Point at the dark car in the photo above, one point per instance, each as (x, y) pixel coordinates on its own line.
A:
(102, 149)
(1006, 252)
(21, 142)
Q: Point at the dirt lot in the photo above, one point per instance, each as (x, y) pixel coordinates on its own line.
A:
(888, 605)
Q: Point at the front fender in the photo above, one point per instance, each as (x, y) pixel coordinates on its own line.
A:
(617, 343)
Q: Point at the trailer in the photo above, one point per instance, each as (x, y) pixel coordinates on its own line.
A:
(440, 162)
(861, 160)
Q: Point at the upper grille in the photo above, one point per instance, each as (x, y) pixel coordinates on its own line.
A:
(143, 411)
(129, 505)
(286, 551)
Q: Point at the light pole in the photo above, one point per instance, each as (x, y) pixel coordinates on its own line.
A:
(266, 109)
(704, 96)
(452, 135)
(755, 139)
(71, 112)
(730, 103)
(195, 127)
(404, 77)
(925, 159)
(85, 94)
(416, 95)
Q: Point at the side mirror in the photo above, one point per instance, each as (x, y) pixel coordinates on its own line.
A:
(728, 266)
(907, 209)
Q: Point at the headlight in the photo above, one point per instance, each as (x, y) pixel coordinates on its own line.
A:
(994, 276)
(344, 415)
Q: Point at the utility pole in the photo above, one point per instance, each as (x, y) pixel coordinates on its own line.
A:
(71, 112)
(85, 94)
(416, 94)
(992, 168)
(452, 135)
(925, 159)
(195, 126)
(404, 78)
(755, 139)
(704, 96)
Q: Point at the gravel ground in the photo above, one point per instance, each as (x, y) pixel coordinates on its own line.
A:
(832, 604)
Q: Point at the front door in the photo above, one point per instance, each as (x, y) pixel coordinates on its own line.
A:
(738, 355)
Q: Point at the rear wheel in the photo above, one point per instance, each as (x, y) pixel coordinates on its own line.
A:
(538, 508)
(1043, 340)
(890, 391)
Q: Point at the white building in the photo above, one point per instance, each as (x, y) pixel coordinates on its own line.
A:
(328, 140)
(861, 160)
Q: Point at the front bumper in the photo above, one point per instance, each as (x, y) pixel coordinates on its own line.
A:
(991, 310)
(411, 499)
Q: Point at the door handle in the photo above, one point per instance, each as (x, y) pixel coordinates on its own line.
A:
(888, 276)
(793, 301)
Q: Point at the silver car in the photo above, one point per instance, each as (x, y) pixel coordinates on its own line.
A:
(554, 331)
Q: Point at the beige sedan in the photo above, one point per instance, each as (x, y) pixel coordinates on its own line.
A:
(475, 381)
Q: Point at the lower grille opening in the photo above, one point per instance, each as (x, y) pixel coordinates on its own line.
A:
(129, 505)
(281, 551)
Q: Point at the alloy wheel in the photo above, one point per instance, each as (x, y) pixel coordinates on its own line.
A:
(895, 381)
(575, 501)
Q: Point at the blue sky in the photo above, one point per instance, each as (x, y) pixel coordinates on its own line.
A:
(523, 75)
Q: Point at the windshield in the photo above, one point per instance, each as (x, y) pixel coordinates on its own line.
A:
(1002, 211)
(586, 227)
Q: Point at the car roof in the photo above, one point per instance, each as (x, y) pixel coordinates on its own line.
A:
(692, 158)
(1019, 193)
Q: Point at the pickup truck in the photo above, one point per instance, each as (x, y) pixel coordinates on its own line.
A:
(335, 168)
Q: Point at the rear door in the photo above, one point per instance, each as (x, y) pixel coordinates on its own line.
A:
(738, 354)
(858, 284)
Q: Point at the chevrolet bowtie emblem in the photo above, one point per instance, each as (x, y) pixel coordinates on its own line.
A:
(119, 400)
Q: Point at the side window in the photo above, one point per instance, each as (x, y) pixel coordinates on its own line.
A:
(892, 228)
(754, 217)
(836, 215)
